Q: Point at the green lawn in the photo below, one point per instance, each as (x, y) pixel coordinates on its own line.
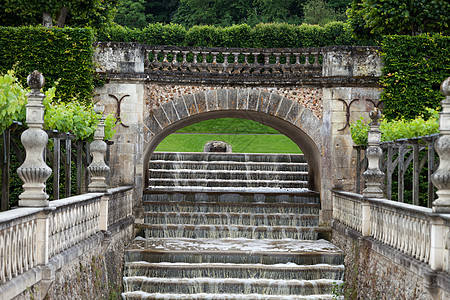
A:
(269, 143)
(228, 125)
(245, 136)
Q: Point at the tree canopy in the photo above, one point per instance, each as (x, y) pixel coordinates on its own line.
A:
(92, 13)
(372, 18)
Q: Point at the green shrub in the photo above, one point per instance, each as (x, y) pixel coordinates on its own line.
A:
(205, 36)
(264, 35)
(414, 68)
(63, 55)
(238, 36)
(397, 129)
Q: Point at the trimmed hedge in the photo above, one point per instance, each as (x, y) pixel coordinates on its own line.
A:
(272, 35)
(414, 68)
(61, 55)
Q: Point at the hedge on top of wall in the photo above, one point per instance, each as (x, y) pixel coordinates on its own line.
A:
(271, 35)
(61, 55)
(414, 68)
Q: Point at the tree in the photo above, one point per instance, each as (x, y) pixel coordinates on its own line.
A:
(371, 18)
(74, 12)
(318, 12)
(131, 13)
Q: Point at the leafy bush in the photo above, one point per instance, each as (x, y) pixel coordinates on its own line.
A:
(397, 129)
(63, 55)
(414, 68)
(266, 35)
(74, 117)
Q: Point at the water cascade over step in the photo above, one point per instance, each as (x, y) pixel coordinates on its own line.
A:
(231, 226)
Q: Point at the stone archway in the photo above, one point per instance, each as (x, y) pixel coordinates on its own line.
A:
(288, 117)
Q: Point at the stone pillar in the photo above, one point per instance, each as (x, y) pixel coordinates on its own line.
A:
(441, 178)
(98, 169)
(373, 175)
(34, 172)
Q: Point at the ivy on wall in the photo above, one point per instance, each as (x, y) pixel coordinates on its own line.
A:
(61, 55)
(414, 68)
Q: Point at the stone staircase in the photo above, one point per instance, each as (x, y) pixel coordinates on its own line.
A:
(230, 226)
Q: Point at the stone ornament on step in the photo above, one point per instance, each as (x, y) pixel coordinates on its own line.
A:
(441, 178)
(34, 172)
(98, 170)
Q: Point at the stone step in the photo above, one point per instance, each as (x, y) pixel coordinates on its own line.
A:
(199, 194)
(239, 157)
(229, 286)
(182, 174)
(220, 270)
(235, 251)
(230, 231)
(202, 296)
(231, 207)
(231, 219)
(227, 183)
(228, 166)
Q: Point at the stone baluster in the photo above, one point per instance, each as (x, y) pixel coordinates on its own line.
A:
(195, 53)
(214, 67)
(316, 58)
(246, 67)
(277, 66)
(98, 169)
(237, 68)
(373, 175)
(184, 64)
(441, 178)
(226, 66)
(34, 172)
(306, 58)
(257, 66)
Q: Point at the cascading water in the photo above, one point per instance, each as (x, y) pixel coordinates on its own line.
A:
(230, 226)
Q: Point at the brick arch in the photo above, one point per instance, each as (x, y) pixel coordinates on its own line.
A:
(287, 116)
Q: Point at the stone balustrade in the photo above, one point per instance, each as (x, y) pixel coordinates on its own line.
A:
(347, 209)
(33, 240)
(234, 60)
(405, 227)
(73, 220)
(402, 226)
(18, 244)
(119, 205)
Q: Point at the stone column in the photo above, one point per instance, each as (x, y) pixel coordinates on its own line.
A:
(98, 169)
(34, 172)
(373, 175)
(441, 178)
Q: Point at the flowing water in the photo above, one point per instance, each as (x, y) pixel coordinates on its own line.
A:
(230, 226)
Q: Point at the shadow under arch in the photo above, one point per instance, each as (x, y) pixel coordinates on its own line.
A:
(297, 123)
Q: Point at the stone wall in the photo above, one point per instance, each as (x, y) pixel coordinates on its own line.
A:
(376, 271)
(345, 84)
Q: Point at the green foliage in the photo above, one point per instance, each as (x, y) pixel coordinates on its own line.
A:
(320, 13)
(358, 131)
(372, 18)
(73, 117)
(12, 100)
(94, 13)
(270, 35)
(131, 13)
(63, 55)
(414, 68)
(397, 129)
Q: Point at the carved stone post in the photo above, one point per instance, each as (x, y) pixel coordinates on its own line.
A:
(34, 172)
(373, 175)
(441, 178)
(98, 169)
